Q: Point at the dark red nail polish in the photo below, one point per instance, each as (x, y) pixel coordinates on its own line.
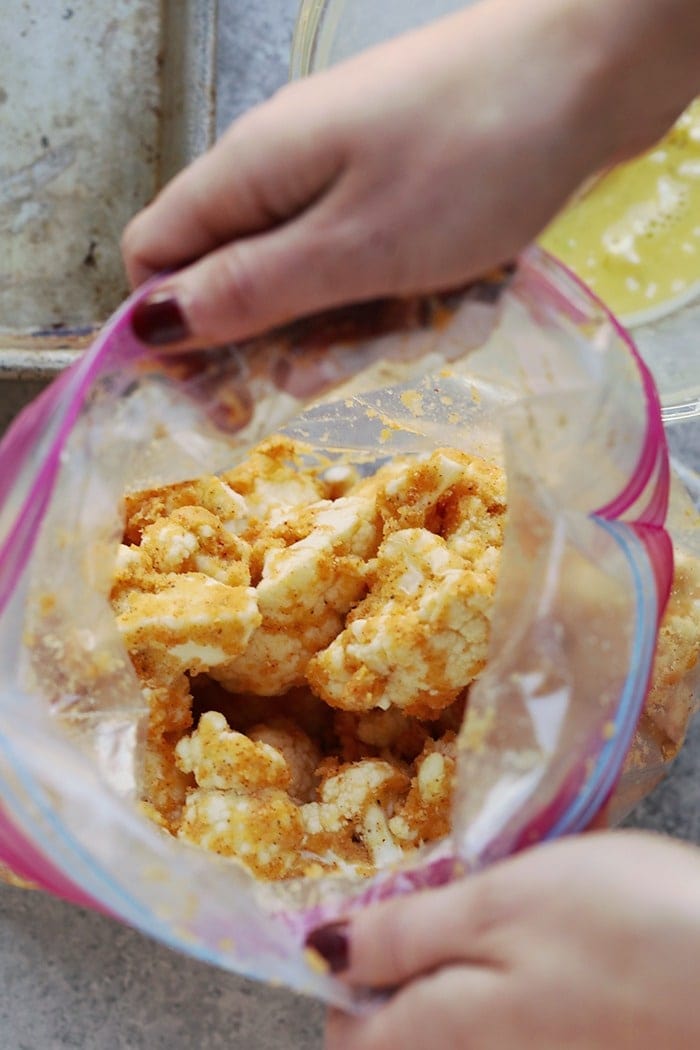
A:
(158, 320)
(332, 944)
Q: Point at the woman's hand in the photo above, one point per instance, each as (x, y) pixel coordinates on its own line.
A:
(418, 165)
(587, 944)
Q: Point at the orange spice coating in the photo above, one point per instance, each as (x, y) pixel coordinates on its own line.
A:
(329, 626)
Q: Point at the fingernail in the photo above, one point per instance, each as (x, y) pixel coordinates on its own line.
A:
(159, 320)
(332, 944)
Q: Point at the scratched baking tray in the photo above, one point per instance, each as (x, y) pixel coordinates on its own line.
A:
(101, 101)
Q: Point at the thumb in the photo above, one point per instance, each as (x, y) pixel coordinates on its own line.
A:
(392, 943)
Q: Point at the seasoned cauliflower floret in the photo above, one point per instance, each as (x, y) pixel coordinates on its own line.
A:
(240, 807)
(417, 639)
(356, 803)
(410, 496)
(271, 481)
(425, 814)
(213, 494)
(165, 785)
(229, 761)
(264, 830)
(192, 619)
(457, 496)
(187, 623)
(166, 691)
(193, 540)
(133, 571)
(329, 624)
(473, 517)
(305, 592)
(300, 753)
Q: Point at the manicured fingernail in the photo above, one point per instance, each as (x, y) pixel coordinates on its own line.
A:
(332, 944)
(159, 320)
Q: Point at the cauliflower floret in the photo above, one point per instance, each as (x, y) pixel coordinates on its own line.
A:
(311, 543)
(189, 623)
(417, 639)
(473, 516)
(300, 753)
(164, 785)
(410, 495)
(223, 759)
(425, 814)
(377, 730)
(339, 479)
(193, 623)
(355, 804)
(458, 496)
(166, 691)
(193, 540)
(133, 571)
(270, 480)
(350, 789)
(153, 505)
(264, 831)
(305, 591)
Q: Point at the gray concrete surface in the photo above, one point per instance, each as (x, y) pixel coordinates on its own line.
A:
(72, 979)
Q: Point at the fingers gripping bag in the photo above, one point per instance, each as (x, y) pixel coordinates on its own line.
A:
(346, 612)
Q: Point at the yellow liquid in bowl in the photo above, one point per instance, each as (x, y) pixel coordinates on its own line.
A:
(634, 237)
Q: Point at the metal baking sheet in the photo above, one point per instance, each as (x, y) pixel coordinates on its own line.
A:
(101, 101)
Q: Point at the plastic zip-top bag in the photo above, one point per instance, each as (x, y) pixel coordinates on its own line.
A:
(525, 372)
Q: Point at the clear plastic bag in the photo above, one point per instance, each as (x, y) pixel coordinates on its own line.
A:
(528, 371)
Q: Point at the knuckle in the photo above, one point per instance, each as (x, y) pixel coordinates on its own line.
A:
(379, 1033)
(238, 282)
(134, 248)
(130, 242)
(198, 198)
(377, 947)
(345, 1032)
(396, 945)
(486, 904)
(363, 241)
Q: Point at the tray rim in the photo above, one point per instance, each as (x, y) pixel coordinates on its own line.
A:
(42, 354)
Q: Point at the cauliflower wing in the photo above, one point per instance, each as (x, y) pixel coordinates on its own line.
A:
(194, 540)
(417, 639)
(222, 759)
(451, 493)
(271, 480)
(366, 597)
(298, 750)
(305, 592)
(411, 490)
(351, 820)
(425, 813)
(165, 786)
(240, 806)
(264, 830)
(191, 622)
(151, 506)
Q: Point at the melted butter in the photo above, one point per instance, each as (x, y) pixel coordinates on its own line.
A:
(634, 237)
